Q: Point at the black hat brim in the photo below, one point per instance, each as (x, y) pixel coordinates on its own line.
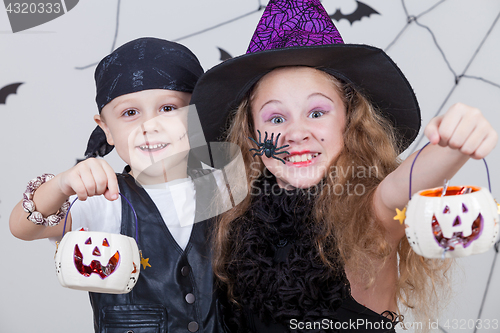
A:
(369, 69)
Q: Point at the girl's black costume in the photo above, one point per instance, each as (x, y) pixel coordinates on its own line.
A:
(281, 283)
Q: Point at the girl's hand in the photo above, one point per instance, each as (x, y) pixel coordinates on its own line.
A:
(88, 178)
(463, 128)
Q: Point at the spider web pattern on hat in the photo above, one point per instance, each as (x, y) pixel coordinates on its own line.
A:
(294, 23)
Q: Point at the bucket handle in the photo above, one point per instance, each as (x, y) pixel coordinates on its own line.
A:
(413, 163)
(133, 210)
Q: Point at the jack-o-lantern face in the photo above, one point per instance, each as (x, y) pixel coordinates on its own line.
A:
(95, 266)
(459, 236)
(98, 262)
(464, 221)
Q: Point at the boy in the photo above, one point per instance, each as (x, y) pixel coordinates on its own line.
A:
(143, 89)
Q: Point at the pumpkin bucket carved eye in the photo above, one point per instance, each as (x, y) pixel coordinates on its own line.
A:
(446, 210)
(105, 242)
(88, 241)
(464, 208)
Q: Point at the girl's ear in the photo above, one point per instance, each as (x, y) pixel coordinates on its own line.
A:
(100, 121)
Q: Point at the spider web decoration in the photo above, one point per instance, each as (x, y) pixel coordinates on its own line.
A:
(413, 19)
(460, 74)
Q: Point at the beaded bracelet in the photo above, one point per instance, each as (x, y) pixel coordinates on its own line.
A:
(29, 205)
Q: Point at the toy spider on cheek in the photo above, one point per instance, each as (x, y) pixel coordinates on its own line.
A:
(268, 147)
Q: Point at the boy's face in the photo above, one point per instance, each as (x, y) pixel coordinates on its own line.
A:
(149, 131)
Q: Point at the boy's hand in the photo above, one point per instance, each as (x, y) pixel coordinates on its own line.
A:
(464, 128)
(88, 178)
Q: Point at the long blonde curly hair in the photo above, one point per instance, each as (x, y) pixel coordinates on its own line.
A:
(369, 144)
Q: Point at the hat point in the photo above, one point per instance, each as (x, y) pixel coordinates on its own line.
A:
(286, 23)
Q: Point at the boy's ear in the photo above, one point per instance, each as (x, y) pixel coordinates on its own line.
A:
(100, 121)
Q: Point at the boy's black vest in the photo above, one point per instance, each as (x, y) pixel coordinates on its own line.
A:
(176, 293)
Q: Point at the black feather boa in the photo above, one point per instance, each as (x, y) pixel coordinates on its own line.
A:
(279, 275)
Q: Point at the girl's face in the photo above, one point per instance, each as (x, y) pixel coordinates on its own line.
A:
(149, 131)
(305, 106)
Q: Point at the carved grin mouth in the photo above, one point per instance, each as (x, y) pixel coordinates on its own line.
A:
(95, 266)
(450, 243)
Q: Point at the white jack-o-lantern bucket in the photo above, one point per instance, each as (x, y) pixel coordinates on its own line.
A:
(451, 221)
(98, 261)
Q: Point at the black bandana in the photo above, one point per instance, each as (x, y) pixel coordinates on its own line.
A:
(142, 64)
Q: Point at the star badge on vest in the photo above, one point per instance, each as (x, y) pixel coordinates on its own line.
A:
(144, 261)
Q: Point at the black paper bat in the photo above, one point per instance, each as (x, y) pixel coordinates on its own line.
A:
(224, 55)
(363, 10)
(7, 90)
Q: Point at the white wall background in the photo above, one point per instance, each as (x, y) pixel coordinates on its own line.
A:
(44, 128)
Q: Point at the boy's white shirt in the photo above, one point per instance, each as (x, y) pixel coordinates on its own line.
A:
(175, 200)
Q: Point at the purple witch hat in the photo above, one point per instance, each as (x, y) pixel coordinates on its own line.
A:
(293, 23)
(300, 33)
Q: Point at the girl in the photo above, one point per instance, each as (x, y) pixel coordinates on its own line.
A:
(315, 246)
